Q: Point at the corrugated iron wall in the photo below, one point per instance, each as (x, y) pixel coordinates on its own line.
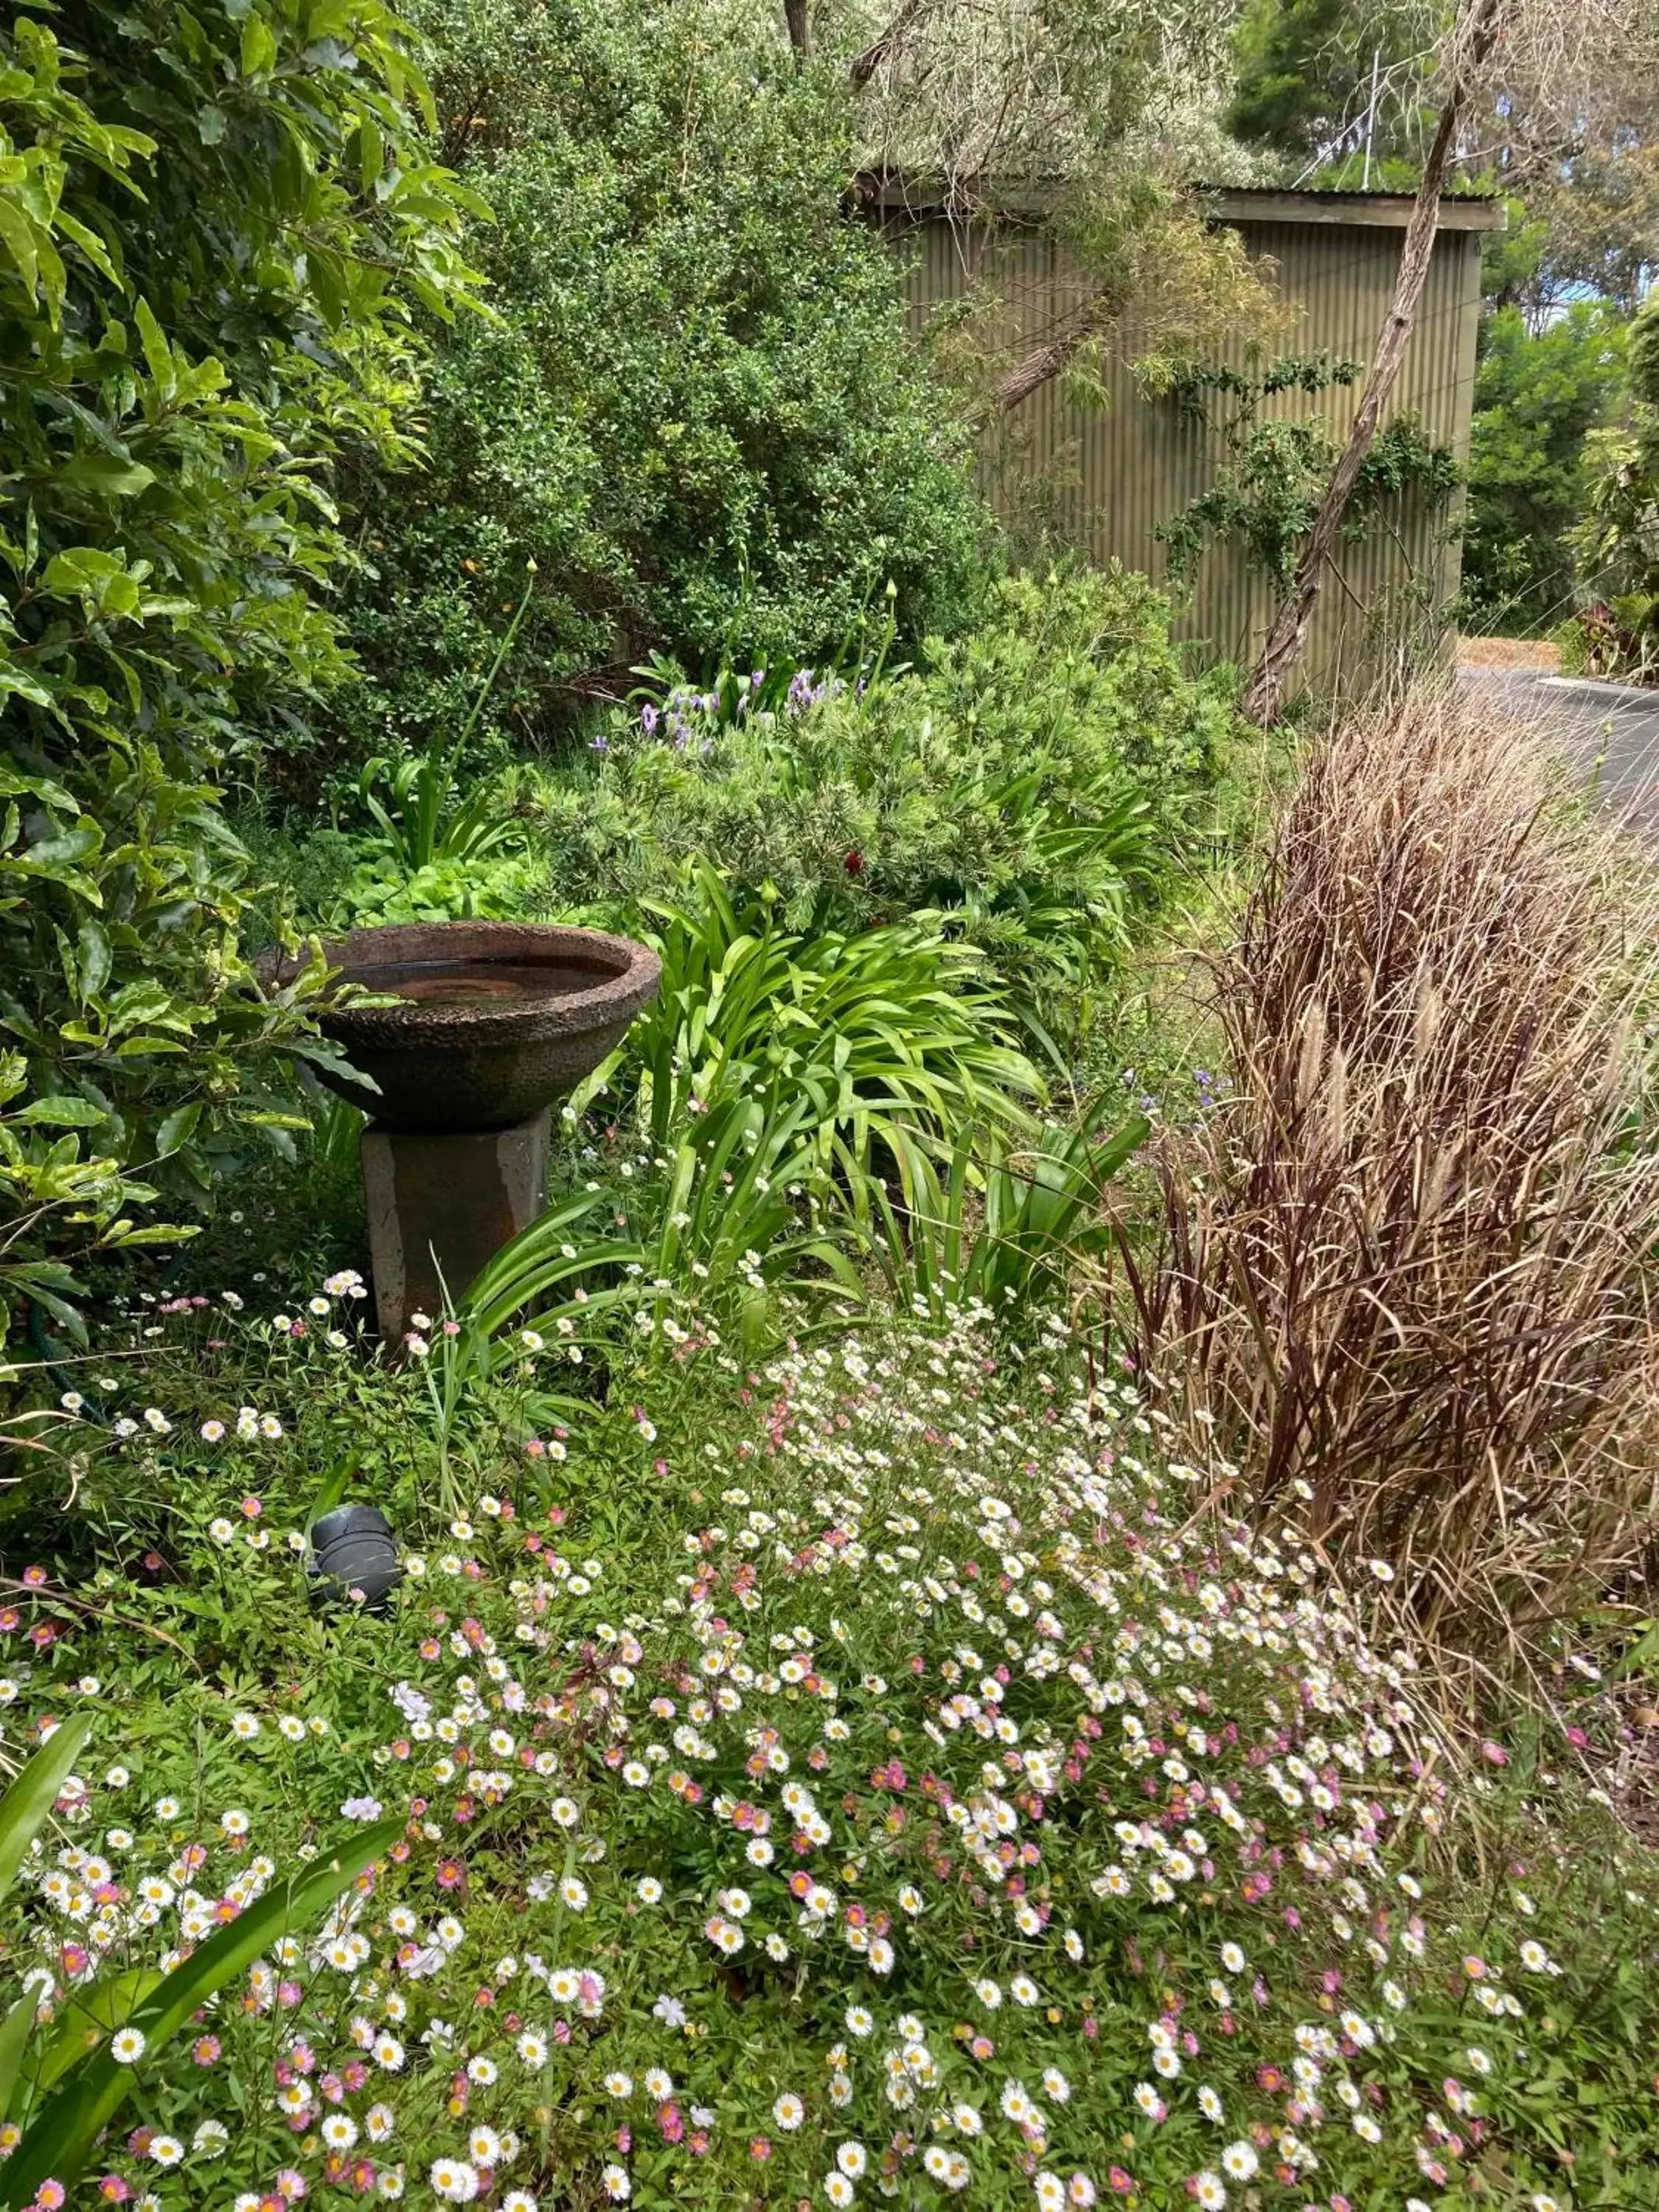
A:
(1104, 475)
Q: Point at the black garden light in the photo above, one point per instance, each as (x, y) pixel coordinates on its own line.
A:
(352, 1549)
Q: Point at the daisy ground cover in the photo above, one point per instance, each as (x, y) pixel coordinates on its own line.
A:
(868, 1776)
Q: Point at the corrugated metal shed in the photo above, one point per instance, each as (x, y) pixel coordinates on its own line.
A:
(1106, 474)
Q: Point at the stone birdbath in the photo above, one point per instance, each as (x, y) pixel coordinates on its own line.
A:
(493, 1022)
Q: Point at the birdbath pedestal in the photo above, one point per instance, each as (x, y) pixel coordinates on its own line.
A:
(439, 1205)
(493, 1023)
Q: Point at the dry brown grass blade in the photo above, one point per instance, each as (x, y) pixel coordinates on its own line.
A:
(1408, 1266)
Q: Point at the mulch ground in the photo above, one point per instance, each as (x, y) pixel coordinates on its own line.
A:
(1508, 653)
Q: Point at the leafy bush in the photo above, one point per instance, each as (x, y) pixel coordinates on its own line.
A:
(1029, 782)
(893, 1024)
(1617, 543)
(735, 1229)
(213, 221)
(1537, 397)
(1405, 1256)
(750, 1116)
(696, 405)
(51, 1196)
(861, 1773)
(1012, 1223)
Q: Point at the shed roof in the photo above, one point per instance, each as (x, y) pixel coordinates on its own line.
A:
(1385, 210)
(892, 192)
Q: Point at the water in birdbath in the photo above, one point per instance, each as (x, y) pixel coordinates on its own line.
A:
(435, 983)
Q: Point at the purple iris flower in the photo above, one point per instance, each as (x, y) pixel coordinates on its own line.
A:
(801, 694)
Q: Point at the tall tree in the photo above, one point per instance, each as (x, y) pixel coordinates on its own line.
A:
(1113, 107)
(1538, 397)
(1522, 73)
(1323, 79)
(217, 222)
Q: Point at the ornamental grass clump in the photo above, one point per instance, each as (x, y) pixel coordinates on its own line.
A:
(1406, 1262)
(859, 1777)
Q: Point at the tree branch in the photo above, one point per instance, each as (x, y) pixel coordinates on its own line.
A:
(1288, 637)
(865, 63)
(800, 30)
(1048, 360)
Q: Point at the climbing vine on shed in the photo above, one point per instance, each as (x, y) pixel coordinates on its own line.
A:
(1272, 474)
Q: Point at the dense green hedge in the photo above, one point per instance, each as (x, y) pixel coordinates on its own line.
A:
(1538, 396)
(1035, 782)
(696, 408)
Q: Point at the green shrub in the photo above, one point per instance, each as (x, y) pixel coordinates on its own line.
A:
(694, 405)
(1617, 542)
(1010, 1222)
(1029, 782)
(735, 1228)
(1537, 397)
(213, 223)
(752, 1112)
(890, 1025)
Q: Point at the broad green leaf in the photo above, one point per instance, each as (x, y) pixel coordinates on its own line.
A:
(101, 577)
(95, 959)
(81, 569)
(177, 1129)
(22, 242)
(90, 244)
(14, 2042)
(51, 853)
(62, 1312)
(37, 1275)
(26, 1806)
(258, 47)
(332, 1489)
(137, 1002)
(58, 2142)
(22, 686)
(85, 2019)
(158, 355)
(61, 1114)
(103, 472)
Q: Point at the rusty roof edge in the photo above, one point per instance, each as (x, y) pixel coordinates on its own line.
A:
(891, 193)
(1383, 211)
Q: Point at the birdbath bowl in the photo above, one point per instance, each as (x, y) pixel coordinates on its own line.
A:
(492, 1022)
(495, 1019)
